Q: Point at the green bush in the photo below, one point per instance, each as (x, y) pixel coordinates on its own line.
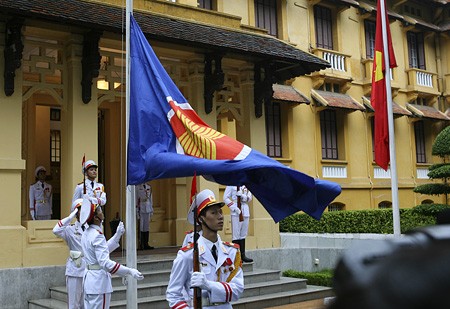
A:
(429, 209)
(433, 189)
(378, 221)
(321, 278)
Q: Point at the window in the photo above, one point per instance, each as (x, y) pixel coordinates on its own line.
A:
(420, 101)
(55, 145)
(370, 38)
(266, 15)
(384, 205)
(329, 134)
(336, 207)
(331, 87)
(205, 4)
(419, 133)
(273, 129)
(322, 21)
(416, 51)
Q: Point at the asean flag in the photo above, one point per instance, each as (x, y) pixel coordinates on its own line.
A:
(168, 139)
(378, 98)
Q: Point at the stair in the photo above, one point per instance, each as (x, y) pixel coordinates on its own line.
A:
(263, 288)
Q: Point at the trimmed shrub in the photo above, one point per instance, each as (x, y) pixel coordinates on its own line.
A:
(378, 221)
(321, 278)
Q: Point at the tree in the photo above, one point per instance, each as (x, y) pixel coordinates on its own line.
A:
(441, 148)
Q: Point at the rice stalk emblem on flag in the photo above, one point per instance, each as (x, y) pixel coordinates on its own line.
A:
(197, 139)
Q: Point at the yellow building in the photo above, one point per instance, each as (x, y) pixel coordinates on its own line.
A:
(296, 85)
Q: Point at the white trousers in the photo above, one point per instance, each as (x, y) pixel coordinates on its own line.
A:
(239, 229)
(75, 298)
(97, 301)
(144, 222)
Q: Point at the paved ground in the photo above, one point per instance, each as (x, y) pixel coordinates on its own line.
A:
(312, 304)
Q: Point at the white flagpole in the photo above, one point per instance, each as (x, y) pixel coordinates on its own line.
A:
(392, 154)
(130, 192)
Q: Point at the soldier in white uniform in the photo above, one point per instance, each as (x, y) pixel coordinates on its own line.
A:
(239, 228)
(99, 267)
(221, 277)
(94, 189)
(144, 211)
(41, 196)
(75, 265)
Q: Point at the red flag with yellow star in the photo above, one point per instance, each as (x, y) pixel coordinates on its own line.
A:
(379, 98)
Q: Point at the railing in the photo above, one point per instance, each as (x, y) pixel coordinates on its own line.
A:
(337, 61)
(424, 79)
(334, 171)
(380, 173)
(422, 173)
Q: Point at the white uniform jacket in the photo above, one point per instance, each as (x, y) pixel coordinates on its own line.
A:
(98, 192)
(230, 199)
(97, 278)
(189, 238)
(144, 198)
(41, 198)
(71, 233)
(226, 276)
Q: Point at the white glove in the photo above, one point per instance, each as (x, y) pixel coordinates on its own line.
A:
(239, 193)
(198, 280)
(93, 200)
(136, 274)
(120, 229)
(73, 214)
(235, 210)
(32, 214)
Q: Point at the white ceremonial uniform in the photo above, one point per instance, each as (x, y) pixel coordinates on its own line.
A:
(41, 200)
(144, 205)
(99, 267)
(239, 229)
(225, 276)
(189, 238)
(94, 190)
(74, 274)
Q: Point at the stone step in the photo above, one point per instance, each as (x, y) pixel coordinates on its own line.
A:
(48, 303)
(256, 282)
(283, 298)
(262, 287)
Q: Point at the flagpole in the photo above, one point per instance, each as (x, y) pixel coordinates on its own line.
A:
(392, 153)
(130, 192)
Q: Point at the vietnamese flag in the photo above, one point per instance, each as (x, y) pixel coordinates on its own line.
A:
(379, 97)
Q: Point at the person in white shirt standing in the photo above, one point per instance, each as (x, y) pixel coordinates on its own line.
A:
(75, 265)
(40, 196)
(144, 212)
(237, 199)
(94, 189)
(220, 276)
(99, 267)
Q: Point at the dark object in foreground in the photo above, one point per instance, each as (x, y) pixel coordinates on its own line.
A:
(409, 272)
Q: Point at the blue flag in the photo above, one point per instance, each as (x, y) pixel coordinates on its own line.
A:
(168, 139)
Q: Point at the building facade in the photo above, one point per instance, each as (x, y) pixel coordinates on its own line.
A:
(289, 78)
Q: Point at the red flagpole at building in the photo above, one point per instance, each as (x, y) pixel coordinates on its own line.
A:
(381, 100)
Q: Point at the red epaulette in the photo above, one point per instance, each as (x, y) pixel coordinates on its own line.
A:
(189, 246)
(230, 244)
(188, 232)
